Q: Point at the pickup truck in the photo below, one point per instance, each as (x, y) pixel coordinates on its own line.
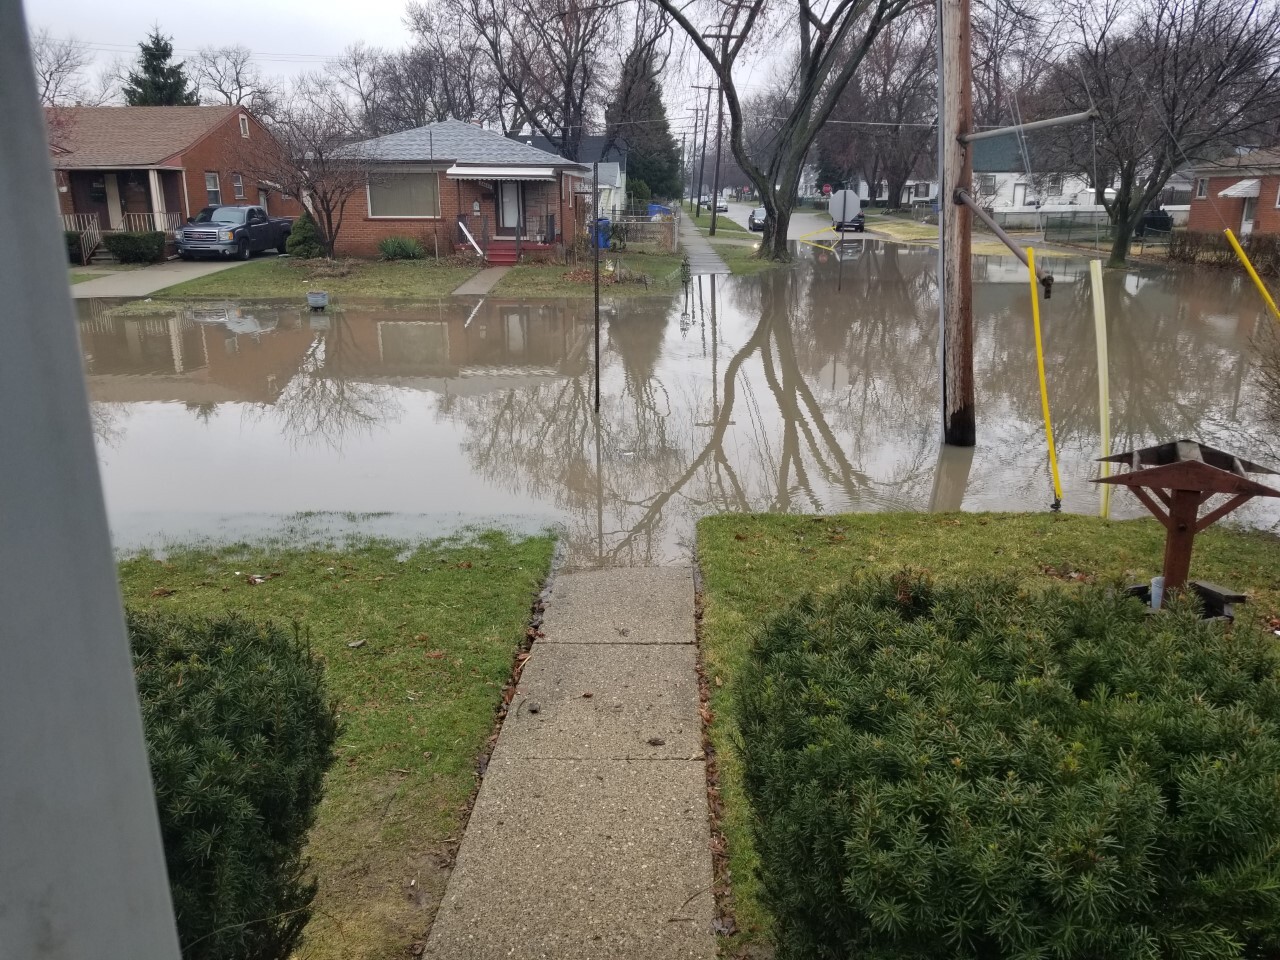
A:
(232, 232)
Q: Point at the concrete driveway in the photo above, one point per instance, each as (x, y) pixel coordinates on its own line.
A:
(146, 280)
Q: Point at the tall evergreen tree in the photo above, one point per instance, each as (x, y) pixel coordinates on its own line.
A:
(638, 118)
(158, 82)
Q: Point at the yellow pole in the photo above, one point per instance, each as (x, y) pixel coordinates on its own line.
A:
(1044, 387)
(1262, 287)
(1104, 382)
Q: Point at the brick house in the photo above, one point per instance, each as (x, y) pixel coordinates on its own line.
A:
(149, 168)
(457, 186)
(1240, 192)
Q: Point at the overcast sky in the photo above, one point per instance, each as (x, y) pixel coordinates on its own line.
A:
(286, 35)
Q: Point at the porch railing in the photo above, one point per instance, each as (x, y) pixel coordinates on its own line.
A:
(165, 223)
(85, 224)
(474, 231)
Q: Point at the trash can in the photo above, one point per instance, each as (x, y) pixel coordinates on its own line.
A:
(602, 233)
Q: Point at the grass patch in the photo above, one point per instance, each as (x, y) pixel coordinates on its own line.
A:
(753, 565)
(742, 260)
(82, 277)
(559, 280)
(902, 228)
(286, 277)
(436, 630)
(723, 224)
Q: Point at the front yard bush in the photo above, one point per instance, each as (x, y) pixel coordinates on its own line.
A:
(240, 733)
(400, 248)
(74, 254)
(975, 771)
(142, 247)
(304, 239)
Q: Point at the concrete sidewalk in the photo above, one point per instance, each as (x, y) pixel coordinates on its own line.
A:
(139, 283)
(590, 835)
(703, 258)
(482, 282)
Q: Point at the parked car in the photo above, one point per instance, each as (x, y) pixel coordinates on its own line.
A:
(722, 205)
(855, 224)
(755, 219)
(232, 232)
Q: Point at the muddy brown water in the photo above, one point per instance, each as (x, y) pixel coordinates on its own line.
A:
(776, 392)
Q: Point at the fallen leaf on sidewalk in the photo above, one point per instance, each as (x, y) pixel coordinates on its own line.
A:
(588, 695)
(657, 742)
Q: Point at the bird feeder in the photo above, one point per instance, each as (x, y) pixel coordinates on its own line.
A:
(1182, 475)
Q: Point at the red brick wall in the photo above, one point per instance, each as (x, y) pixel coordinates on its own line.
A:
(1212, 213)
(359, 235)
(225, 152)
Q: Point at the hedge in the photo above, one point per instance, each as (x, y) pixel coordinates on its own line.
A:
(971, 771)
(240, 734)
(145, 247)
(74, 250)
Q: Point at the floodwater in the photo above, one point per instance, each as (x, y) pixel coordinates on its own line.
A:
(806, 390)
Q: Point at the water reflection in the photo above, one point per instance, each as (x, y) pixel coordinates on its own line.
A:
(774, 392)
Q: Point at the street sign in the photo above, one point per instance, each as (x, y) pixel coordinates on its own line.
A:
(845, 205)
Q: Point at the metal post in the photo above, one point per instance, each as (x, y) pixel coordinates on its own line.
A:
(82, 869)
(595, 250)
(702, 165)
(715, 174)
(955, 269)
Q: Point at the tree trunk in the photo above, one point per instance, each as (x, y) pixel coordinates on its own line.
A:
(1120, 244)
(773, 244)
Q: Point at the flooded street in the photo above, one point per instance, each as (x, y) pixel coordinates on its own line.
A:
(771, 392)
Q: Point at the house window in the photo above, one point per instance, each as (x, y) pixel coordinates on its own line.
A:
(404, 195)
(237, 184)
(244, 126)
(1202, 188)
(922, 190)
(212, 190)
(1054, 188)
(986, 184)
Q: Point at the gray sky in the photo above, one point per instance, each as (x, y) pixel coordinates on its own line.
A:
(285, 35)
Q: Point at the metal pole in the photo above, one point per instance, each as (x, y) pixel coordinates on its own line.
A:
(702, 165)
(595, 250)
(1028, 127)
(715, 174)
(955, 171)
(82, 870)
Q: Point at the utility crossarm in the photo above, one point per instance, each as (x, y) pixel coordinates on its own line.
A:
(1021, 128)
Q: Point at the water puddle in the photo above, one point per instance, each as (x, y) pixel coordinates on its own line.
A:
(772, 392)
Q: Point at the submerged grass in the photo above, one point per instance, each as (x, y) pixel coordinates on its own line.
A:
(417, 645)
(287, 277)
(754, 565)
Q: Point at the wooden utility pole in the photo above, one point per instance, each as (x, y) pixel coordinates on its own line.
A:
(706, 129)
(955, 270)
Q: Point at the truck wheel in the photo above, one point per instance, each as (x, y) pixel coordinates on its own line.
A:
(183, 255)
(283, 248)
(244, 253)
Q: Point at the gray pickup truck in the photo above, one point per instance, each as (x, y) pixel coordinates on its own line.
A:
(232, 232)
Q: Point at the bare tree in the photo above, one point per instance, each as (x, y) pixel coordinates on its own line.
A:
(229, 75)
(1174, 81)
(60, 64)
(832, 40)
(552, 59)
(359, 78)
(445, 74)
(1015, 42)
(316, 155)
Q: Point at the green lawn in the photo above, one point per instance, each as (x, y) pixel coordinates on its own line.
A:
(901, 227)
(743, 260)
(559, 280)
(724, 226)
(417, 647)
(82, 277)
(284, 277)
(753, 565)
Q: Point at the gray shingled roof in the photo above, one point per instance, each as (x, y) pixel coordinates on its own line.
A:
(457, 142)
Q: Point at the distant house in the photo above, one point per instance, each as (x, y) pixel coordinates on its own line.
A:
(1006, 180)
(609, 152)
(468, 188)
(149, 168)
(1240, 192)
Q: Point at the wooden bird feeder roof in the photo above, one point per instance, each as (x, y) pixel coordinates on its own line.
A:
(1189, 465)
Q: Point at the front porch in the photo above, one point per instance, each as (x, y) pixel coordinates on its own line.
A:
(103, 201)
(508, 217)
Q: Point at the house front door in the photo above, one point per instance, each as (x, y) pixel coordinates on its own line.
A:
(1250, 210)
(508, 206)
(115, 210)
(1019, 194)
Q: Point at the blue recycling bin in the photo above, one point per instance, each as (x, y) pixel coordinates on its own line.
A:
(601, 234)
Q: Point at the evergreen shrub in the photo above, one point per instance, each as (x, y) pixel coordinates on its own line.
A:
(240, 733)
(140, 247)
(75, 255)
(304, 239)
(400, 248)
(971, 771)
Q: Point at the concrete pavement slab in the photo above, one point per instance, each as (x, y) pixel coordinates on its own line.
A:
(607, 701)
(146, 280)
(482, 282)
(628, 605)
(578, 859)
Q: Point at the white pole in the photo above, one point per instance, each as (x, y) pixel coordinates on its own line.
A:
(1104, 382)
(82, 870)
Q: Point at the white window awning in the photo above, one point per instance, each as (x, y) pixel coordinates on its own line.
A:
(500, 173)
(1245, 188)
